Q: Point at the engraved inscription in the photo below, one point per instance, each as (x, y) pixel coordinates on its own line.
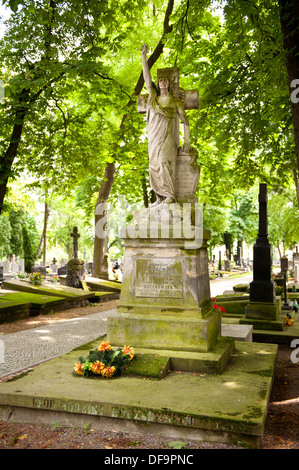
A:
(44, 403)
(187, 176)
(69, 406)
(143, 414)
(85, 408)
(159, 278)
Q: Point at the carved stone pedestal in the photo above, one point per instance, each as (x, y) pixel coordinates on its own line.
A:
(165, 304)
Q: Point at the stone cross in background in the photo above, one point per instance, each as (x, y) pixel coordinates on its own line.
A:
(75, 236)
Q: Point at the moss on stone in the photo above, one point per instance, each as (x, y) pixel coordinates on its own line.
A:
(148, 365)
(241, 287)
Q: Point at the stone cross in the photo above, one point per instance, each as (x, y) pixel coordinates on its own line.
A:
(189, 97)
(54, 260)
(262, 288)
(75, 236)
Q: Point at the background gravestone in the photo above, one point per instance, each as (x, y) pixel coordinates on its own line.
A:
(62, 271)
(75, 267)
(296, 266)
(264, 308)
(22, 266)
(39, 269)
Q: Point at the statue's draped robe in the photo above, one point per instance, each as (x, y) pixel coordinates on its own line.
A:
(162, 146)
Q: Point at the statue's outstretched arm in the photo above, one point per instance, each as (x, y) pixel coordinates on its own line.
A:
(146, 70)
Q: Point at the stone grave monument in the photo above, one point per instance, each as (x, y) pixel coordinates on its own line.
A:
(22, 265)
(264, 309)
(104, 274)
(54, 267)
(39, 269)
(284, 266)
(296, 266)
(1, 275)
(165, 306)
(75, 267)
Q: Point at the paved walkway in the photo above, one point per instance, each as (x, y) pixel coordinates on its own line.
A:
(29, 347)
(219, 285)
(26, 348)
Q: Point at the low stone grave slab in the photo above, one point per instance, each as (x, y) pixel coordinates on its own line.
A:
(13, 310)
(232, 305)
(278, 336)
(102, 296)
(241, 288)
(239, 332)
(103, 285)
(99, 285)
(230, 407)
(40, 303)
(70, 293)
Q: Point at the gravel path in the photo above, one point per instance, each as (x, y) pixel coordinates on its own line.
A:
(27, 348)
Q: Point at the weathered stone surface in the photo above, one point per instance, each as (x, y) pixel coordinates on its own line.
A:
(230, 407)
(187, 174)
(180, 332)
(75, 273)
(165, 297)
(238, 332)
(185, 287)
(162, 277)
(48, 289)
(263, 310)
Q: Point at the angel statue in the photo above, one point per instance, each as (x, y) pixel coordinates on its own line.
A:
(162, 109)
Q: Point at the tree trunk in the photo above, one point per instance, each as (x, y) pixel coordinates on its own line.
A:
(8, 157)
(44, 235)
(46, 216)
(106, 186)
(100, 220)
(228, 241)
(289, 20)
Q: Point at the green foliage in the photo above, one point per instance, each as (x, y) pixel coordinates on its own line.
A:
(64, 216)
(73, 75)
(28, 250)
(283, 216)
(243, 222)
(5, 235)
(16, 219)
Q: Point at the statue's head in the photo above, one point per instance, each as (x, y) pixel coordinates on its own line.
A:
(163, 83)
